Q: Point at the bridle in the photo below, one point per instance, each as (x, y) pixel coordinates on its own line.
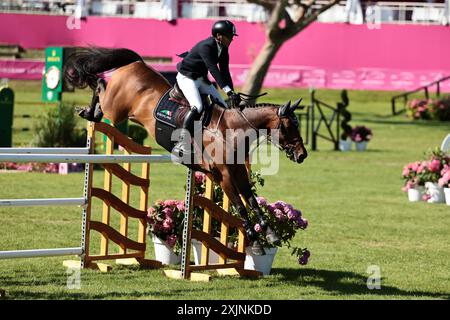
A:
(288, 148)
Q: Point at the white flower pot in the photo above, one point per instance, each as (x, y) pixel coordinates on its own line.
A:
(164, 253)
(416, 194)
(345, 145)
(260, 263)
(197, 248)
(361, 146)
(447, 196)
(436, 193)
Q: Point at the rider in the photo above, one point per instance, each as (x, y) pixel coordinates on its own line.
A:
(193, 72)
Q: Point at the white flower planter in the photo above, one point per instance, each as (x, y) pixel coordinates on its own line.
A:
(447, 196)
(164, 253)
(345, 145)
(436, 193)
(416, 194)
(260, 263)
(197, 248)
(361, 146)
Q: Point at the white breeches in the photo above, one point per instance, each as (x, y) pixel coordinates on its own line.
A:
(193, 88)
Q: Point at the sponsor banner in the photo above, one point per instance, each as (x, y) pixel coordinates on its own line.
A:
(22, 69)
(284, 76)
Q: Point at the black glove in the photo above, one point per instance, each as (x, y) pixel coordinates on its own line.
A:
(234, 98)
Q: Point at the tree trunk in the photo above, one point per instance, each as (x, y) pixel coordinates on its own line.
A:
(258, 70)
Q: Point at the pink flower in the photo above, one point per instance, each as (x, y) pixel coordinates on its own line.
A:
(170, 203)
(168, 212)
(168, 224)
(421, 167)
(425, 197)
(180, 206)
(258, 228)
(434, 165)
(199, 178)
(151, 211)
(405, 172)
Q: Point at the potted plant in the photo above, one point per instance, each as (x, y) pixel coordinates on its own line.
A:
(444, 182)
(431, 173)
(165, 225)
(285, 221)
(414, 184)
(361, 135)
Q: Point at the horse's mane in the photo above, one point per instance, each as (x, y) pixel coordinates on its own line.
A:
(261, 105)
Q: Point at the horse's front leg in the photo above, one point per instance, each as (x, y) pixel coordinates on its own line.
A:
(230, 190)
(245, 189)
(93, 111)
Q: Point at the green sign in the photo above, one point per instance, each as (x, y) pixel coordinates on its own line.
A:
(6, 116)
(53, 77)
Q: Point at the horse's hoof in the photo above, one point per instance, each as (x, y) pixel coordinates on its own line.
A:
(272, 238)
(85, 113)
(257, 249)
(251, 234)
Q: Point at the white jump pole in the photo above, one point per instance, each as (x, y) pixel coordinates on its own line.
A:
(13, 254)
(94, 158)
(83, 150)
(42, 202)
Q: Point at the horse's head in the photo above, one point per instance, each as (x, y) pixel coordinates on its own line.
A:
(290, 140)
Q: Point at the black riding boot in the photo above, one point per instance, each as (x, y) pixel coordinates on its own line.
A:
(183, 147)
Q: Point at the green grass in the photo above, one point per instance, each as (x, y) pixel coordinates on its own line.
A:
(357, 212)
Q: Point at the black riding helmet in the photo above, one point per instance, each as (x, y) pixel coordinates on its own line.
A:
(224, 27)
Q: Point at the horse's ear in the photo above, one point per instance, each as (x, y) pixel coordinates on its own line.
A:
(283, 109)
(295, 105)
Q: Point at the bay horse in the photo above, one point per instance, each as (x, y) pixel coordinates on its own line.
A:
(133, 92)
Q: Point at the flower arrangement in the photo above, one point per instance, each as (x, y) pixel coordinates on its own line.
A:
(285, 221)
(165, 221)
(429, 109)
(361, 133)
(433, 169)
(165, 218)
(444, 181)
(40, 167)
(412, 175)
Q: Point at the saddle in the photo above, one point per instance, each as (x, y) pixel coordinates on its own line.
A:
(170, 112)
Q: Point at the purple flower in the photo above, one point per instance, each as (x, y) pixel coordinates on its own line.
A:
(280, 204)
(261, 201)
(279, 214)
(303, 260)
(293, 214)
(258, 228)
(302, 223)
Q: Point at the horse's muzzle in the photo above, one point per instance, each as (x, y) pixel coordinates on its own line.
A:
(300, 157)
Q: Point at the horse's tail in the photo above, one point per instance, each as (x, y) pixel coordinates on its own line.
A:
(82, 67)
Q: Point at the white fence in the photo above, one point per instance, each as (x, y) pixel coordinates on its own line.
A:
(62, 155)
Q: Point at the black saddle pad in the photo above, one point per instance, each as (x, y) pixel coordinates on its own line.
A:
(169, 115)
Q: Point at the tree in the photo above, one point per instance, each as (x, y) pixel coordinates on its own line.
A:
(286, 19)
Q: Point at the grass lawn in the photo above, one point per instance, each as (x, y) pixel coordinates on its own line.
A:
(358, 218)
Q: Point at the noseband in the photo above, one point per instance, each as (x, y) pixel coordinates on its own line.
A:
(288, 148)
